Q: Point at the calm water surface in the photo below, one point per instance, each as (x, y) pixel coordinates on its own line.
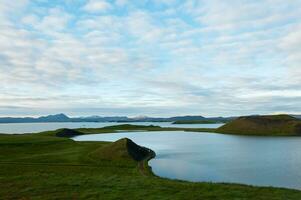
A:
(261, 161)
(38, 127)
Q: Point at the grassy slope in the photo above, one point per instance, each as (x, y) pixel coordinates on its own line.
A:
(277, 125)
(42, 166)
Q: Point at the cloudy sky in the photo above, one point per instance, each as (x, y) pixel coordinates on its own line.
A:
(150, 57)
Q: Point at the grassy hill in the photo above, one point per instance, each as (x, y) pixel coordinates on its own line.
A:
(263, 125)
(123, 149)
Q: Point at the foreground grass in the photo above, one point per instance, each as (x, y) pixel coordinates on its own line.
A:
(42, 166)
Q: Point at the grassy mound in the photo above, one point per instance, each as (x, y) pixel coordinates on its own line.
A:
(123, 149)
(263, 125)
(67, 133)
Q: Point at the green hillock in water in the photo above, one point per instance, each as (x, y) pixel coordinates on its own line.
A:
(278, 125)
(196, 122)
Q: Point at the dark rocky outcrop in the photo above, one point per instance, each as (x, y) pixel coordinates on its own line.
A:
(67, 133)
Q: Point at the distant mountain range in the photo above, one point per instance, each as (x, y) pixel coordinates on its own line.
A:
(64, 118)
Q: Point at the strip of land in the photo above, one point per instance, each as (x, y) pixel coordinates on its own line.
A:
(198, 122)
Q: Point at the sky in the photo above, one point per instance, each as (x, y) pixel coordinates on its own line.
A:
(150, 57)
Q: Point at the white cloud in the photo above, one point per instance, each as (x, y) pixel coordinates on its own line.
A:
(56, 20)
(97, 6)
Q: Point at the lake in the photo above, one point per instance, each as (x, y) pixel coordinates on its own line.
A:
(20, 128)
(210, 157)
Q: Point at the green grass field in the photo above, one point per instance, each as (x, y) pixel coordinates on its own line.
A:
(43, 166)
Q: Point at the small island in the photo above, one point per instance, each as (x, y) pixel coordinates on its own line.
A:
(197, 122)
